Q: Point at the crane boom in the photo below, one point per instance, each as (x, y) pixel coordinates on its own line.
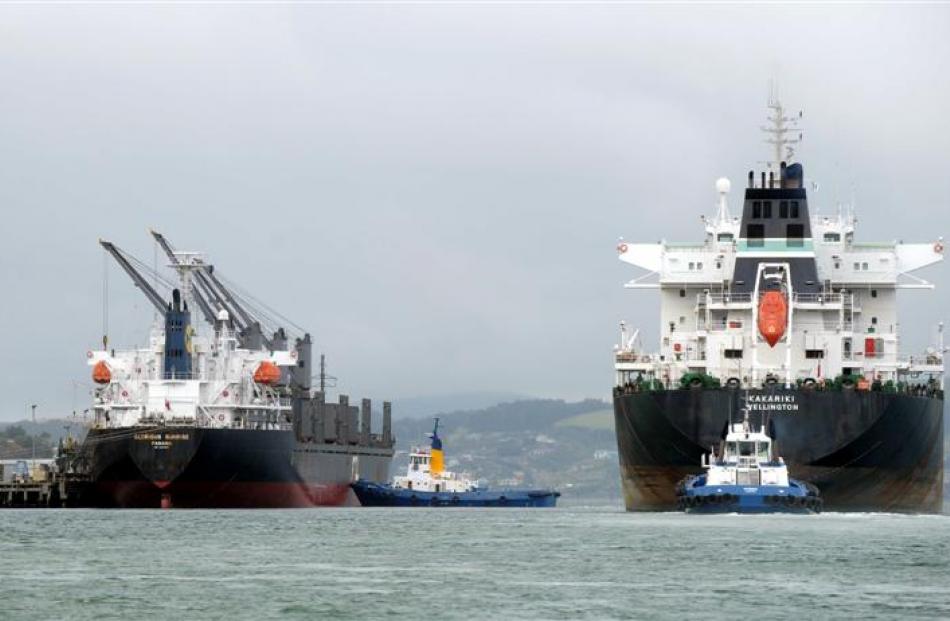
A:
(245, 318)
(157, 300)
(247, 325)
(200, 298)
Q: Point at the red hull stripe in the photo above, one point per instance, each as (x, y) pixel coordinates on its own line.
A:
(225, 495)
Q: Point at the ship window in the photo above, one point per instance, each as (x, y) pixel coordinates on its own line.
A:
(724, 237)
(682, 293)
(857, 266)
(732, 353)
(873, 321)
(672, 326)
(766, 209)
(832, 237)
(746, 449)
(873, 293)
(864, 266)
(692, 265)
(795, 234)
(814, 353)
(783, 209)
(682, 320)
(755, 234)
(699, 265)
(795, 209)
(756, 210)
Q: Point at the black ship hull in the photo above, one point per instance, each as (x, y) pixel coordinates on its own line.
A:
(188, 467)
(865, 450)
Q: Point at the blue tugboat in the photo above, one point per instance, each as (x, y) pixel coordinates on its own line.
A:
(746, 478)
(428, 484)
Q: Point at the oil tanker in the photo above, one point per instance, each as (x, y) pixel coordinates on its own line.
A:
(220, 415)
(781, 311)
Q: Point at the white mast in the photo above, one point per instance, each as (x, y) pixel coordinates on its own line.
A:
(781, 125)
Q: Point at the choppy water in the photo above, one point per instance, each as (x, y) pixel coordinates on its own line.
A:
(471, 564)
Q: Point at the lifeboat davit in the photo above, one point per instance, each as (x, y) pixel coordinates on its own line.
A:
(101, 373)
(773, 316)
(267, 373)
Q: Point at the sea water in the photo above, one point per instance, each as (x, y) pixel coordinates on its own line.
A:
(564, 563)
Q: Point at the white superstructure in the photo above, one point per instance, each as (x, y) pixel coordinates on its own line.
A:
(841, 294)
(216, 378)
(746, 459)
(221, 391)
(421, 478)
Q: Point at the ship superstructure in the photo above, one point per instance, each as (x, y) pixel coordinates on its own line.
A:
(221, 415)
(782, 300)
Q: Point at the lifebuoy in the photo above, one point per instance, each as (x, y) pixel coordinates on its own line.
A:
(621, 248)
(938, 248)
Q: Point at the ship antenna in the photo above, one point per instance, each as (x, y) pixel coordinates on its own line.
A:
(780, 126)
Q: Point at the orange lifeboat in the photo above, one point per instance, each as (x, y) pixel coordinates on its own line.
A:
(267, 373)
(101, 373)
(773, 316)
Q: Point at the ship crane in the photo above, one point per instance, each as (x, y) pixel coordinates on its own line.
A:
(153, 296)
(210, 287)
(201, 298)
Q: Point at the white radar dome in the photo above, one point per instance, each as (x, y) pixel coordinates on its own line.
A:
(223, 315)
(723, 185)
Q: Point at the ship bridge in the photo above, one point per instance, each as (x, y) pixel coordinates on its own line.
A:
(838, 314)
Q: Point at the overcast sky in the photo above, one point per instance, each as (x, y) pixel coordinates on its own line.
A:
(435, 192)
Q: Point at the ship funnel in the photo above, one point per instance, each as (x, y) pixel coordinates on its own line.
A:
(437, 462)
(178, 333)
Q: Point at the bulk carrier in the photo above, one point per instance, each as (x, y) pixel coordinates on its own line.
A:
(223, 414)
(786, 305)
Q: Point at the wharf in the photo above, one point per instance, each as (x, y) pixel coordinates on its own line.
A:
(58, 491)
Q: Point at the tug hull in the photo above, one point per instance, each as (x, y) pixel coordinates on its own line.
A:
(376, 495)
